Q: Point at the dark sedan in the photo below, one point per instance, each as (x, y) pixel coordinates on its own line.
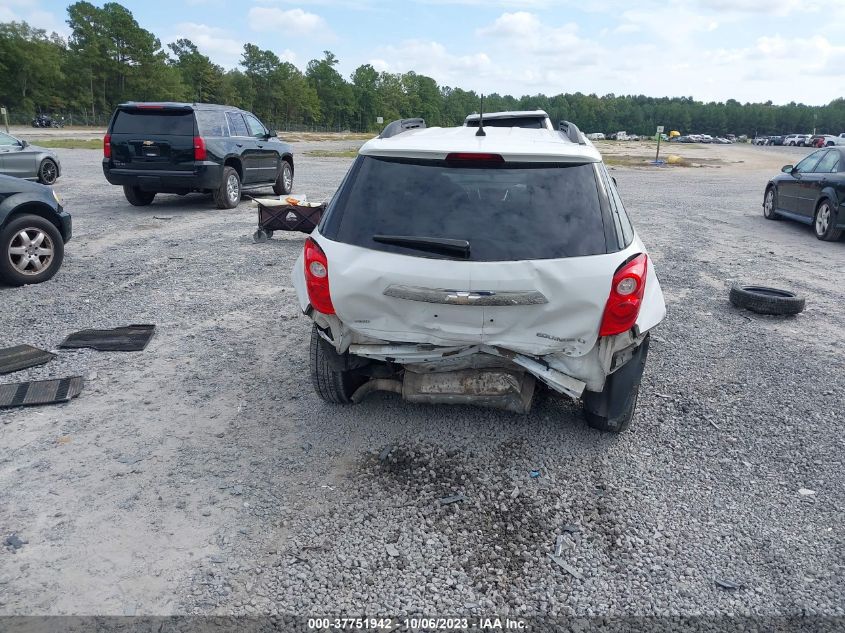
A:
(33, 231)
(812, 192)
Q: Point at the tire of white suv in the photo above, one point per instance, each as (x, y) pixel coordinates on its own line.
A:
(31, 250)
(612, 409)
(228, 195)
(138, 197)
(331, 384)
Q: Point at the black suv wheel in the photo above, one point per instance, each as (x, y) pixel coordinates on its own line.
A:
(138, 197)
(228, 196)
(284, 182)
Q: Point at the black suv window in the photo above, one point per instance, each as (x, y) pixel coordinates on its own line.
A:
(506, 211)
(154, 122)
(256, 129)
(212, 123)
(237, 127)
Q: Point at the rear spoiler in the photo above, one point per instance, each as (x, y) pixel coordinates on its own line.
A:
(402, 125)
(572, 132)
(178, 107)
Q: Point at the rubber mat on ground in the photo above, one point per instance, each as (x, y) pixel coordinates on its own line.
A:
(22, 357)
(27, 394)
(132, 338)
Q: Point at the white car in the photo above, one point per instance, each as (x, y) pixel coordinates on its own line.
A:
(461, 266)
(537, 119)
(596, 136)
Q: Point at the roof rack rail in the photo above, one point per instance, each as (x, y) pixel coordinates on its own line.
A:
(572, 132)
(402, 125)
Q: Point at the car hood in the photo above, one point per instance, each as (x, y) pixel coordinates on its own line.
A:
(10, 184)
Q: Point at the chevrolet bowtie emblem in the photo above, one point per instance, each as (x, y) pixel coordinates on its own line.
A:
(148, 143)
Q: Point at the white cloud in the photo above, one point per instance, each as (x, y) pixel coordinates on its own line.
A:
(213, 41)
(432, 59)
(292, 21)
(28, 11)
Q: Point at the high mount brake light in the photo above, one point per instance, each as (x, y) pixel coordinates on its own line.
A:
(199, 148)
(626, 297)
(107, 146)
(317, 277)
(475, 156)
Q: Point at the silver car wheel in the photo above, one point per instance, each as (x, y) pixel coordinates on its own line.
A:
(233, 188)
(31, 251)
(822, 219)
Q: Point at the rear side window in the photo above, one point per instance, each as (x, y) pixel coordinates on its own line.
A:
(154, 122)
(237, 127)
(212, 123)
(506, 211)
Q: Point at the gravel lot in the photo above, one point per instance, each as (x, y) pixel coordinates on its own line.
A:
(204, 476)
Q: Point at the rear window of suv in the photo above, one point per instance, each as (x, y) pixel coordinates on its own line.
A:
(154, 122)
(506, 211)
(531, 122)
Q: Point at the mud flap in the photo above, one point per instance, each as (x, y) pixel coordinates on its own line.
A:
(616, 401)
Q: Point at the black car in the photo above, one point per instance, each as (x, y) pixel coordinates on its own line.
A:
(178, 148)
(33, 231)
(812, 192)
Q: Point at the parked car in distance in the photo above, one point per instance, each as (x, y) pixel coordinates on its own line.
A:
(34, 229)
(775, 140)
(20, 159)
(760, 140)
(153, 148)
(519, 118)
(812, 192)
(596, 136)
(448, 269)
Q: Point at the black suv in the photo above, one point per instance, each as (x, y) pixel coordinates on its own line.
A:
(33, 231)
(155, 148)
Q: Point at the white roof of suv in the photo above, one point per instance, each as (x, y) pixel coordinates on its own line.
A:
(513, 144)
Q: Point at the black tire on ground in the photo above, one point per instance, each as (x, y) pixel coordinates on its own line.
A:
(285, 176)
(824, 222)
(763, 300)
(138, 197)
(331, 385)
(48, 172)
(613, 408)
(769, 206)
(226, 197)
(10, 238)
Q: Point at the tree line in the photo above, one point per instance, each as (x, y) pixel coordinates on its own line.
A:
(109, 58)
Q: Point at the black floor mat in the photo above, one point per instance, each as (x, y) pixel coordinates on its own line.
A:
(22, 357)
(132, 338)
(27, 394)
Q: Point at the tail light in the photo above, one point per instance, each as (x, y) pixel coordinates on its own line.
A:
(107, 146)
(317, 277)
(626, 297)
(199, 148)
(475, 157)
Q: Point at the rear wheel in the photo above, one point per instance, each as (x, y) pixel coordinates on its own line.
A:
(228, 195)
(770, 201)
(284, 182)
(48, 172)
(31, 250)
(612, 408)
(331, 384)
(138, 197)
(824, 224)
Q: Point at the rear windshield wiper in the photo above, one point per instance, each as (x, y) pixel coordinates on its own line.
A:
(441, 245)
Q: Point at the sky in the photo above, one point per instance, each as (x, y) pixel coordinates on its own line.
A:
(712, 50)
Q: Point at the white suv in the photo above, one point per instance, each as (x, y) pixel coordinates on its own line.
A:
(461, 266)
(532, 119)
